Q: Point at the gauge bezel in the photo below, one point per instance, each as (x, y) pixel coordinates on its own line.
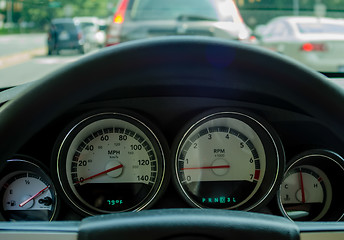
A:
(328, 162)
(67, 136)
(275, 157)
(22, 163)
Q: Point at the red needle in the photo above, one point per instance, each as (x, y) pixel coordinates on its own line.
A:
(34, 196)
(210, 167)
(302, 188)
(101, 173)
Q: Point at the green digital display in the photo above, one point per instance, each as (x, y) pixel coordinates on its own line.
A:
(115, 202)
(219, 200)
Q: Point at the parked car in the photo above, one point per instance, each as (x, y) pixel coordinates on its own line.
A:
(316, 42)
(65, 33)
(136, 19)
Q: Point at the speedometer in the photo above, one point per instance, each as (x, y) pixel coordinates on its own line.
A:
(110, 162)
(228, 160)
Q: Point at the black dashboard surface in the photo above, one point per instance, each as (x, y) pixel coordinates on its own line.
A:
(170, 92)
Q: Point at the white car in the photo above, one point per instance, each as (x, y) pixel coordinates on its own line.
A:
(316, 42)
(94, 27)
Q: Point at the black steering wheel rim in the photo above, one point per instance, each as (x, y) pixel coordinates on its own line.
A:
(163, 64)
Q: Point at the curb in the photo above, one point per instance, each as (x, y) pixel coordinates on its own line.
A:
(13, 59)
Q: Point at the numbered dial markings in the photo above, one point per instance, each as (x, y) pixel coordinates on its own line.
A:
(220, 163)
(306, 193)
(27, 195)
(113, 163)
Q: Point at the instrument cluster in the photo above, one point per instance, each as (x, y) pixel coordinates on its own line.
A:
(116, 161)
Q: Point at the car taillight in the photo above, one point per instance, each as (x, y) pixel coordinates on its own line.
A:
(110, 44)
(310, 47)
(79, 36)
(119, 15)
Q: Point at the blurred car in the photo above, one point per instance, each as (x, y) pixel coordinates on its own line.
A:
(316, 42)
(94, 28)
(150, 18)
(65, 33)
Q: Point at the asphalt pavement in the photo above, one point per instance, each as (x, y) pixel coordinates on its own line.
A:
(23, 58)
(16, 43)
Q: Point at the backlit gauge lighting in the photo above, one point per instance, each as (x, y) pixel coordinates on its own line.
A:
(110, 162)
(221, 162)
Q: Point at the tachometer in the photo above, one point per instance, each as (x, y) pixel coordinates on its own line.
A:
(227, 160)
(110, 162)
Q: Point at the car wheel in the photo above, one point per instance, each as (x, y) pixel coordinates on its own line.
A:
(82, 50)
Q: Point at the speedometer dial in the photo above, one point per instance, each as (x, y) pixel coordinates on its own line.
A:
(110, 162)
(227, 160)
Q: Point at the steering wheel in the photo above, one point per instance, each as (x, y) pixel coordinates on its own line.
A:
(173, 66)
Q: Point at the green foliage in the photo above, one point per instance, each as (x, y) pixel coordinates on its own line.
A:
(42, 11)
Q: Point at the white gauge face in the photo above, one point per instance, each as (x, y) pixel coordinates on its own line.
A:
(113, 164)
(306, 193)
(221, 162)
(26, 191)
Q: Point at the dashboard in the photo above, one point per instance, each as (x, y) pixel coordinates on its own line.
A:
(190, 131)
(175, 152)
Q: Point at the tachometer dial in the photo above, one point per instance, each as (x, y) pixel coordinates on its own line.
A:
(227, 160)
(111, 162)
(27, 193)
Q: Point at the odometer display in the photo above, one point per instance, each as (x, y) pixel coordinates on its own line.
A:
(110, 163)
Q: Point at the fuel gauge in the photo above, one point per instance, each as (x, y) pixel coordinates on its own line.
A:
(27, 193)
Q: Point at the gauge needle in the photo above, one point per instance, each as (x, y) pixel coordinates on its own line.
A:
(302, 188)
(101, 173)
(209, 167)
(34, 196)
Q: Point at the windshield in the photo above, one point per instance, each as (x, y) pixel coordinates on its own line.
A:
(38, 37)
(314, 28)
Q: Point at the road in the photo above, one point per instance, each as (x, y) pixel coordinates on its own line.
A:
(34, 69)
(14, 43)
(23, 58)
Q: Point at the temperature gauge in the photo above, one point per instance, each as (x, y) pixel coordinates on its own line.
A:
(306, 193)
(312, 187)
(27, 193)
